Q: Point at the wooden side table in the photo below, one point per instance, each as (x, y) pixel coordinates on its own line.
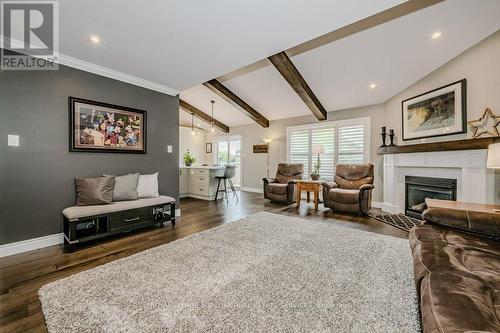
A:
(308, 186)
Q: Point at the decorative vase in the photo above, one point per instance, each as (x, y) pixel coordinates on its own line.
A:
(186, 163)
(314, 177)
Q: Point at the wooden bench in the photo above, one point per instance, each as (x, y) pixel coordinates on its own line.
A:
(85, 223)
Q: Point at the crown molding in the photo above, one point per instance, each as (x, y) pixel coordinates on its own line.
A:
(103, 71)
(113, 74)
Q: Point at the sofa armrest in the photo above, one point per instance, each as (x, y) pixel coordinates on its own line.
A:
(329, 185)
(478, 223)
(366, 187)
(269, 180)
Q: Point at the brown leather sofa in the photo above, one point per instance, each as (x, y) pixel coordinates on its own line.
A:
(456, 259)
(351, 190)
(282, 188)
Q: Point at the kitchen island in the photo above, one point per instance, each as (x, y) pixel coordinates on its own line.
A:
(198, 181)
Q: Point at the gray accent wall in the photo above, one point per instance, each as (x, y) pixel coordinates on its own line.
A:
(36, 179)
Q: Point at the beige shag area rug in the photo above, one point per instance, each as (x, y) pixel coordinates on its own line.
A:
(266, 272)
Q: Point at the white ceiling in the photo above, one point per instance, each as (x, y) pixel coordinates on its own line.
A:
(393, 55)
(181, 43)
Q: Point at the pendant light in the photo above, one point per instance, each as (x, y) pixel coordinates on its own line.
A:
(213, 102)
(192, 123)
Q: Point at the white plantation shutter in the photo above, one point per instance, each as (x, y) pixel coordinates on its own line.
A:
(299, 148)
(351, 144)
(345, 141)
(326, 137)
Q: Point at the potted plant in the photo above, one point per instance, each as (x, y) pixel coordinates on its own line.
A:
(317, 150)
(315, 173)
(189, 158)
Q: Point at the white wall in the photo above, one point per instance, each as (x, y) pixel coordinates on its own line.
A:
(195, 143)
(254, 165)
(480, 65)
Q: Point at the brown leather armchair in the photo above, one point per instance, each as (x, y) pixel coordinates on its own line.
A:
(282, 188)
(351, 190)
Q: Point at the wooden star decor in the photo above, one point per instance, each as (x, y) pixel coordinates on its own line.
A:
(487, 124)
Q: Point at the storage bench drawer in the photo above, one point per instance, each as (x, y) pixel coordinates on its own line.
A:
(130, 218)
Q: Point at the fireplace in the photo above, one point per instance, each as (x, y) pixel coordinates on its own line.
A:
(420, 188)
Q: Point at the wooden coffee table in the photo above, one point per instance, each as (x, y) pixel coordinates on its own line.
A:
(309, 186)
(458, 205)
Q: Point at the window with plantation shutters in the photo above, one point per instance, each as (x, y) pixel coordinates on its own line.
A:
(324, 136)
(299, 148)
(351, 144)
(345, 141)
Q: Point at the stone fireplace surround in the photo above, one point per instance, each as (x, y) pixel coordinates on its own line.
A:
(475, 183)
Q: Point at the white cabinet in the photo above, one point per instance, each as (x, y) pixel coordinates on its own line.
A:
(200, 182)
(183, 182)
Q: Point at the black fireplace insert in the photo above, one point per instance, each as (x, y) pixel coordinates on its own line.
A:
(420, 188)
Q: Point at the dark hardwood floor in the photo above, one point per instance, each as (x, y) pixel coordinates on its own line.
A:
(22, 275)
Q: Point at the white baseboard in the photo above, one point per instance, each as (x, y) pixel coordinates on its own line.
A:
(30, 244)
(377, 204)
(177, 212)
(252, 189)
(389, 208)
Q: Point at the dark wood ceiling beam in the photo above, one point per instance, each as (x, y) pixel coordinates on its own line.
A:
(202, 115)
(292, 75)
(237, 102)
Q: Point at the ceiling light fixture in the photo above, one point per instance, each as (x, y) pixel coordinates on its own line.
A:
(192, 123)
(213, 102)
(373, 86)
(95, 39)
(435, 35)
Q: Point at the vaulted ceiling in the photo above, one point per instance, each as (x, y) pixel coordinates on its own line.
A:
(181, 43)
(392, 55)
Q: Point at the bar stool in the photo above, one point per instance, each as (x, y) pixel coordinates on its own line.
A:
(229, 173)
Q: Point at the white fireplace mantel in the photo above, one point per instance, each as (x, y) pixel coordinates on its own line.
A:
(475, 183)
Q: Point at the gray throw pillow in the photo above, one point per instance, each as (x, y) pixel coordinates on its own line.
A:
(94, 191)
(125, 187)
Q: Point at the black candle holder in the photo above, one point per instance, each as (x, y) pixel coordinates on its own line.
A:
(391, 137)
(384, 135)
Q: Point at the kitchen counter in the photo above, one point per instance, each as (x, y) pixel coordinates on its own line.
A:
(209, 167)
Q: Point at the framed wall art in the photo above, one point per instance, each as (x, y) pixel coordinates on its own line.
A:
(442, 111)
(105, 128)
(260, 149)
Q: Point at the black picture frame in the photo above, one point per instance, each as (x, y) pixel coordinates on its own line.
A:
(74, 147)
(463, 112)
(208, 148)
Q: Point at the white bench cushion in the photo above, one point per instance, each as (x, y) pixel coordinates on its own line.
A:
(76, 212)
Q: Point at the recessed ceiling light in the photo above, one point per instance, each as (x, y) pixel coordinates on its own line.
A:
(437, 34)
(95, 39)
(373, 86)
